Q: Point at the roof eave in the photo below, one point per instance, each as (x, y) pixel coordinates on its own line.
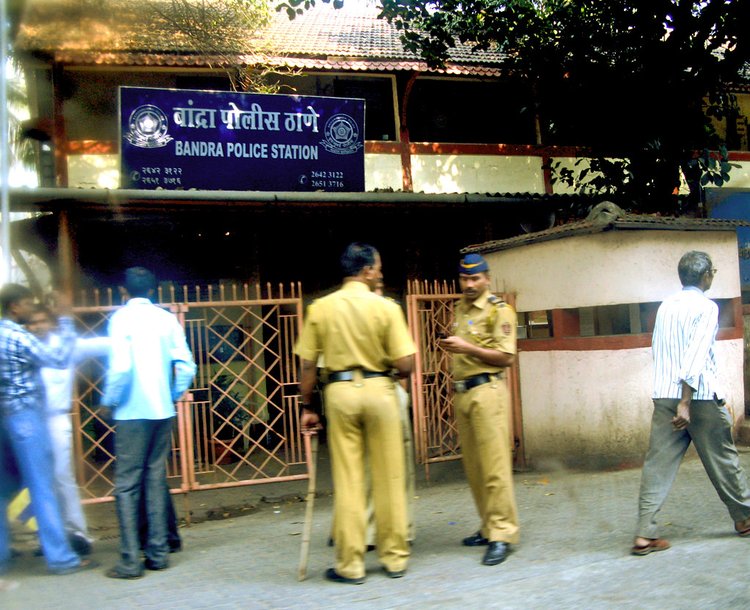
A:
(328, 63)
(576, 229)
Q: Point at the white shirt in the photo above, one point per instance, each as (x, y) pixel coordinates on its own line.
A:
(683, 346)
(58, 383)
(150, 366)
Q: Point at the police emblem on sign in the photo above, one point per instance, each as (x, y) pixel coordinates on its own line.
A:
(341, 135)
(148, 127)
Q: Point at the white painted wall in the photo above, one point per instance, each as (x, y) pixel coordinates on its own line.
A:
(634, 266)
(383, 171)
(430, 173)
(477, 174)
(739, 177)
(594, 407)
(94, 171)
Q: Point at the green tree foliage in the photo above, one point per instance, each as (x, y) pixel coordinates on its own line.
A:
(297, 7)
(636, 80)
(22, 149)
(221, 29)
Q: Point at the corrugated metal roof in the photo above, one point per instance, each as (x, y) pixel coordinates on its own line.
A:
(46, 198)
(126, 32)
(607, 216)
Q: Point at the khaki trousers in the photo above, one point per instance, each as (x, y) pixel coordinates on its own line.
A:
(403, 404)
(363, 420)
(482, 418)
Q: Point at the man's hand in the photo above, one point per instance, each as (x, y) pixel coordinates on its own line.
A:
(309, 420)
(60, 303)
(682, 419)
(456, 345)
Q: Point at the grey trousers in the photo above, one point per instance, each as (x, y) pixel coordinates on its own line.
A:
(711, 430)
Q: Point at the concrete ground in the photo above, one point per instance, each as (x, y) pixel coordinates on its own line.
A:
(577, 530)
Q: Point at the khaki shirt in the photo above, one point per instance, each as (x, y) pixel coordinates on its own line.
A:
(490, 325)
(354, 328)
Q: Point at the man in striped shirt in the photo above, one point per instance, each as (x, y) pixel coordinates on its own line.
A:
(688, 406)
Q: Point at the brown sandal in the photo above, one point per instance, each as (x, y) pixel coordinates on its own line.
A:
(658, 544)
(742, 528)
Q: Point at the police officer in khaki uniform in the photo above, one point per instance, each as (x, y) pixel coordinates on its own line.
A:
(403, 400)
(484, 344)
(363, 338)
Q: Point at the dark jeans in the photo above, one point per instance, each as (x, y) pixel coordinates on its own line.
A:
(173, 533)
(141, 448)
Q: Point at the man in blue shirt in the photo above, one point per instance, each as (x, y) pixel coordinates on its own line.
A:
(689, 406)
(150, 367)
(25, 454)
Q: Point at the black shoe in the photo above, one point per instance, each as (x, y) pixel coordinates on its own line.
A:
(334, 576)
(117, 573)
(496, 553)
(395, 573)
(475, 540)
(86, 564)
(150, 564)
(80, 545)
(175, 546)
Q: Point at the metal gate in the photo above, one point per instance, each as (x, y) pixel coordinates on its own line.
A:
(430, 315)
(238, 424)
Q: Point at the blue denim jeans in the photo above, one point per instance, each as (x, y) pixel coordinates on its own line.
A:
(10, 484)
(24, 440)
(141, 449)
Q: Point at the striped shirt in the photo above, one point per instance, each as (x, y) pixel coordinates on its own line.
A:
(22, 356)
(683, 346)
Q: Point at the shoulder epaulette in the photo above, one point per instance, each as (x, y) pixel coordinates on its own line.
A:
(496, 300)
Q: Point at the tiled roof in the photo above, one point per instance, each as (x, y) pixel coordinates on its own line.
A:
(607, 216)
(125, 32)
(355, 32)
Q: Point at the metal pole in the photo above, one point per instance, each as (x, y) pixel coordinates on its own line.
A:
(4, 147)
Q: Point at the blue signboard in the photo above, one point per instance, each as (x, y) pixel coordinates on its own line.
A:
(219, 140)
(734, 204)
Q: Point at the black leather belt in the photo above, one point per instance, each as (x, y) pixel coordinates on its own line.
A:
(472, 382)
(349, 375)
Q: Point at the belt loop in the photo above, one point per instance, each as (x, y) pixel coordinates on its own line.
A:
(358, 378)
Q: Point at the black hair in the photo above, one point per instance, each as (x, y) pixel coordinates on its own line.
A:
(356, 257)
(693, 266)
(13, 293)
(139, 281)
(41, 308)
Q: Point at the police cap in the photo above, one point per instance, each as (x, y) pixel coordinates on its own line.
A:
(473, 263)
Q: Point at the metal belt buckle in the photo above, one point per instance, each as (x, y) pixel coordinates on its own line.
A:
(460, 386)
